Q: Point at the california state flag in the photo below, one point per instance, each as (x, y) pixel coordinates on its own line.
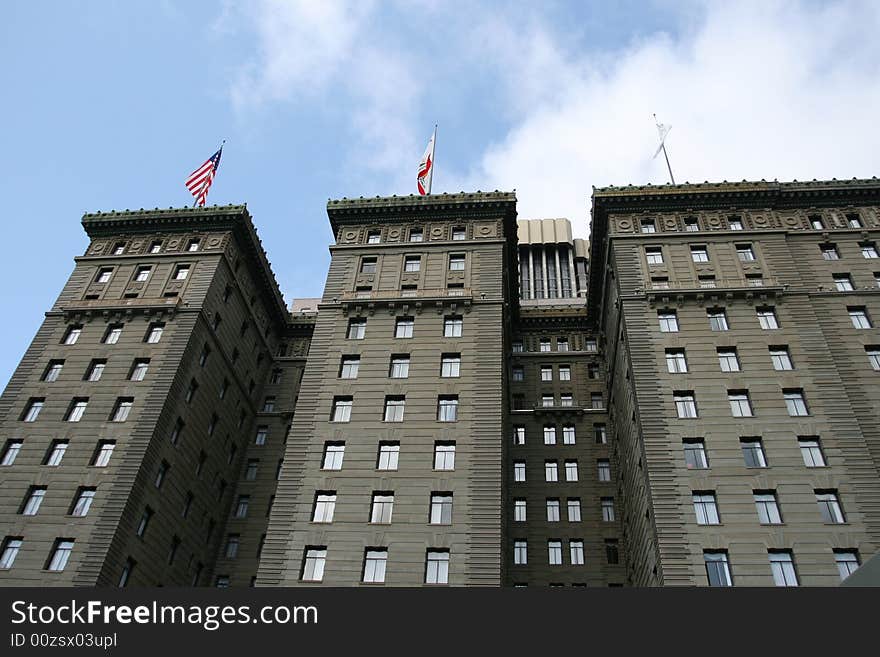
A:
(426, 167)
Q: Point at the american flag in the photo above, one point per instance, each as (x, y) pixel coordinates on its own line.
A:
(200, 180)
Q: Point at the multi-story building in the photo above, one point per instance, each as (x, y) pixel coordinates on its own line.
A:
(690, 398)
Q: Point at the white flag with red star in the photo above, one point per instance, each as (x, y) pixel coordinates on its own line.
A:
(426, 167)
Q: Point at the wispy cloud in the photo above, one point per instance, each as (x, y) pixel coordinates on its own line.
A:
(775, 89)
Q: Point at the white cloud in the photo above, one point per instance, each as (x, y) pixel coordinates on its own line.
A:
(755, 90)
(774, 89)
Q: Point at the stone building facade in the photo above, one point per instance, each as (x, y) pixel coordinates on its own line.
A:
(690, 398)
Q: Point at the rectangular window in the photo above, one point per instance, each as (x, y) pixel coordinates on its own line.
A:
(33, 408)
(811, 452)
(735, 223)
(11, 547)
(612, 554)
(101, 458)
(452, 325)
(648, 226)
(544, 345)
(154, 333)
(695, 454)
(82, 501)
(829, 252)
(241, 507)
(122, 409)
(156, 247)
(447, 408)
(691, 225)
(767, 507)
(389, 453)
(604, 468)
(416, 235)
(668, 321)
(573, 506)
(520, 553)
(728, 359)
(10, 452)
(843, 282)
(767, 318)
(441, 509)
(32, 501)
(576, 552)
(104, 274)
(77, 409)
(873, 352)
(324, 506)
(161, 473)
(72, 334)
(450, 365)
(399, 366)
(342, 409)
(829, 506)
(111, 335)
(869, 250)
(847, 562)
(357, 328)
(816, 223)
(554, 548)
(782, 567)
(565, 373)
(142, 274)
(444, 455)
(596, 401)
(394, 408)
(60, 555)
(699, 253)
(590, 344)
(348, 367)
(139, 369)
(55, 453)
(676, 363)
(705, 508)
(571, 470)
(551, 471)
(707, 282)
(458, 233)
(193, 245)
(607, 509)
(412, 263)
(403, 328)
(375, 561)
(740, 405)
(250, 473)
(549, 435)
(795, 402)
(685, 404)
(368, 265)
(313, 564)
(456, 262)
(261, 435)
(659, 282)
(552, 510)
(781, 358)
(546, 373)
(601, 434)
(437, 563)
(519, 510)
(381, 506)
(519, 435)
(334, 452)
(717, 568)
(518, 374)
(374, 237)
(755, 280)
(53, 369)
(654, 255)
(519, 471)
(181, 272)
(745, 253)
(859, 317)
(753, 452)
(517, 347)
(568, 435)
(854, 221)
(717, 319)
(144, 522)
(548, 401)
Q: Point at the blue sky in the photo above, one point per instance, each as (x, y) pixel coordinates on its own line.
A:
(109, 105)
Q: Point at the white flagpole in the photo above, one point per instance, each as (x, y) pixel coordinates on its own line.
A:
(433, 158)
(663, 147)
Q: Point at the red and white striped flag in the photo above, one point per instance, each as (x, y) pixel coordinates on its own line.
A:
(426, 167)
(199, 181)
